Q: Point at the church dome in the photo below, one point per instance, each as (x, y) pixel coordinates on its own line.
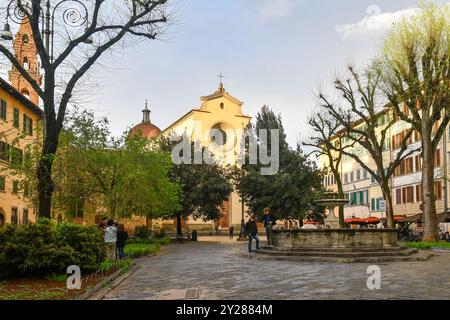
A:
(146, 129)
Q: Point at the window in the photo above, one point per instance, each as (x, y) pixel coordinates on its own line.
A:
(4, 151)
(437, 158)
(409, 194)
(3, 109)
(14, 217)
(16, 156)
(352, 176)
(27, 125)
(26, 189)
(409, 166)
(15, 187)
(438, 190)
(359, 198)
(398, 196)
(16, 121)
(418, 161)
(25, 216)
(404, 195)
(419, 193)
(375, 204)
(358, 175)
(2, 183)
(346, 178)
(365, 174)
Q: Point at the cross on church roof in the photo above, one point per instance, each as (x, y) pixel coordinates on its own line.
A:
(221, 76)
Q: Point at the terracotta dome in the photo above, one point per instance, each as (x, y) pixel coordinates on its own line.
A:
(146, 129)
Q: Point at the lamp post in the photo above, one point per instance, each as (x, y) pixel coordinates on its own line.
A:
(75, 15)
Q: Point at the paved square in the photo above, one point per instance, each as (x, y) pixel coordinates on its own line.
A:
(220, 269)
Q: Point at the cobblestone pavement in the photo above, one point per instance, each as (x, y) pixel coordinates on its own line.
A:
(221, 269)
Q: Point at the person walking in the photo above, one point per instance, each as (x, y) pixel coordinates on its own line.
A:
(122, 237)
(231, 232)
(269, 221)
(251, 228)
(111, 240)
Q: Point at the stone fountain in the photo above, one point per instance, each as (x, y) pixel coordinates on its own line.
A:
(334, 244)
(332, 222)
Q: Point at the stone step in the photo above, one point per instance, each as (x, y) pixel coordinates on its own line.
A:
(338, 254)
(330, 249)
(418, 256)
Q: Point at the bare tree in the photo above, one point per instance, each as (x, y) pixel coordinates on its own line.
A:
(366, 124)
(416, 69)
(325, 140)
(65, 57)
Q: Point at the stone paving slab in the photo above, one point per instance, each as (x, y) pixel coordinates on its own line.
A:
(221, 269)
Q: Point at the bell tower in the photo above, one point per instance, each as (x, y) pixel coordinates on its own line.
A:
(26, 53)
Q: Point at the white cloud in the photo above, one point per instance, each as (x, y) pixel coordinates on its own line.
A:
(374, 24)
(275, 9)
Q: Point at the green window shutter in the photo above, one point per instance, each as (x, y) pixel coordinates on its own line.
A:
(16, 118)
(378, 204)
(2, 183)
(353, 198)
(25, 120)
(30, 126)
(361, 197)
(372, 204)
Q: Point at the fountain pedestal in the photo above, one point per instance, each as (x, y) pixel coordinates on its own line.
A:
(331, 221)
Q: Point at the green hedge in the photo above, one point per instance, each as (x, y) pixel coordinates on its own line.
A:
(43, 248)
(428, 245)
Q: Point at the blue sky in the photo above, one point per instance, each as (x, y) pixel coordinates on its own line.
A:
(274, 52)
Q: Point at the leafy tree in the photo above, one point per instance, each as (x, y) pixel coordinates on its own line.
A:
(416, 78)
(204, 187)
(125, 176)
(290, 193)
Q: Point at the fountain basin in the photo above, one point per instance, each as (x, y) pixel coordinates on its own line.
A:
(335, 238)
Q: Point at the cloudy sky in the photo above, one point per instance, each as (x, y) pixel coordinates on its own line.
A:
(274, 52)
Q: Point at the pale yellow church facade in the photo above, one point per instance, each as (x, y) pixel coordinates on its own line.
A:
(221, 113)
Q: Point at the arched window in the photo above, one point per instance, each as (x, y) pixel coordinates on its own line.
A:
(222, 106)
(25, 38)
(25, 92)
(2, 220)
(26, 65)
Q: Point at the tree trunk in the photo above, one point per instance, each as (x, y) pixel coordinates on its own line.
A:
(430, 224)
(179, 231)
(389, 205)
(341, 208)
(44, 175)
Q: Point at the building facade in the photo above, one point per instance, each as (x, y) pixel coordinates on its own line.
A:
(220, 113)
(363, 191)
(20, 129)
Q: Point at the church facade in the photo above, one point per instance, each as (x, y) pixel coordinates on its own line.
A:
(221, 113)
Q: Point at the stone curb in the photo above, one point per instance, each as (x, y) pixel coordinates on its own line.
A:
(100, 290)
(441, 250)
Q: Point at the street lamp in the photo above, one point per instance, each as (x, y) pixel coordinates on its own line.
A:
(76, 15)
(6, 33)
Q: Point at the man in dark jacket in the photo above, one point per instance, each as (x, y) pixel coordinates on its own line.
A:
(269, 221)
(251, 228)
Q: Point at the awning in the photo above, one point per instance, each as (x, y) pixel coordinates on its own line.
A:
(441, 217)
(312, 222)
(363, 221)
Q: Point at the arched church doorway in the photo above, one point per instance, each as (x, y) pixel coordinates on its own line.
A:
(2, 219)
